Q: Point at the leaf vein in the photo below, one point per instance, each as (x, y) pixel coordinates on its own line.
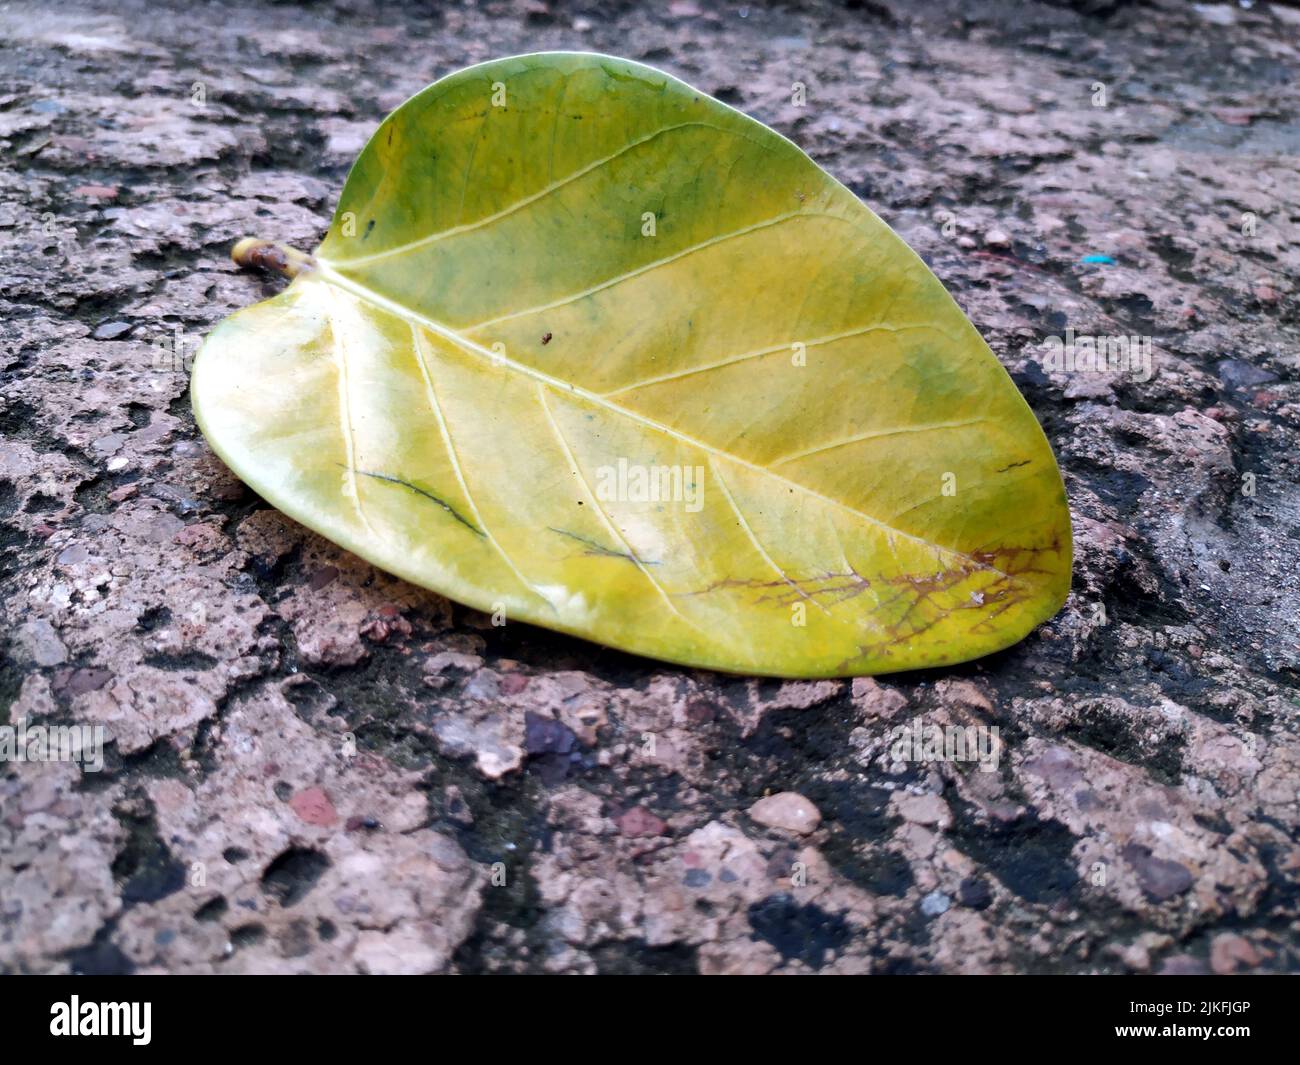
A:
(573, 391)
(767, 223)
(346, 429)
(753, 537)
(436, 406)
(732, 360)
(600, 511)
(505, 212)
(875, 434)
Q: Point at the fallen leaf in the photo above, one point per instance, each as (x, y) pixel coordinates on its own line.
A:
(587, 348)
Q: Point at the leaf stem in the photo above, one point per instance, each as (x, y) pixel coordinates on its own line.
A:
(254, 254)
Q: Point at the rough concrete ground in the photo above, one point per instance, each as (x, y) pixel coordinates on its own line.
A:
(315, 767)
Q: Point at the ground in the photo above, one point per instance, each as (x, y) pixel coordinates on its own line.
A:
(316, 767)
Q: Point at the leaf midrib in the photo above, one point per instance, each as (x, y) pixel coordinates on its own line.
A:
(328, 275)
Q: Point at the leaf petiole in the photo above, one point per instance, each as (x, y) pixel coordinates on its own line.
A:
(254, 254)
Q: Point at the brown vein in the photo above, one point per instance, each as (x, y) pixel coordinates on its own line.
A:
(753, 538)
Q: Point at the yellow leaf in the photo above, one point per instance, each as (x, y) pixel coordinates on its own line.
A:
(586, 348)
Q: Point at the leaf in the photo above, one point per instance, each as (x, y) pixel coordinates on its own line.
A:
(557, 281)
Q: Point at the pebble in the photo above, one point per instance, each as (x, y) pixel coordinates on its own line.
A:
(96, 192)
(924, 810)
(1229, 952)
(788, 811)
(1159, 878)
(639, 821)
(313, 806)
(875, 699)
(974, 893)
(112, 330)
(72, 555)
(935, 903)
(82, 680)
(544, 735)
(42, 643)
(1238, 374)
(458, 810)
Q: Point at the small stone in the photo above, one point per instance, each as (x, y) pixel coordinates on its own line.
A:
(42, 643)
(322, 578)
(410, 813)
(109, 443)
(457, 809)
(1183, 965)
(924, 810)
(639, 821)
(402, 952)
(1160, 879)
(545, 735)
(112, 330)
(935, 903)
(966, 693)
(82, 680)
(1234, 116)
(974, 893)
(1230, 952)
(314, 807)
(1241, 375)
(788, 811)
(997, 238)
(96, 192)
(1216, 14)
(875, 699)
(513, 683)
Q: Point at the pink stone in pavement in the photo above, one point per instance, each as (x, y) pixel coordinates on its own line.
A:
(639, 821)
(314, 807)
